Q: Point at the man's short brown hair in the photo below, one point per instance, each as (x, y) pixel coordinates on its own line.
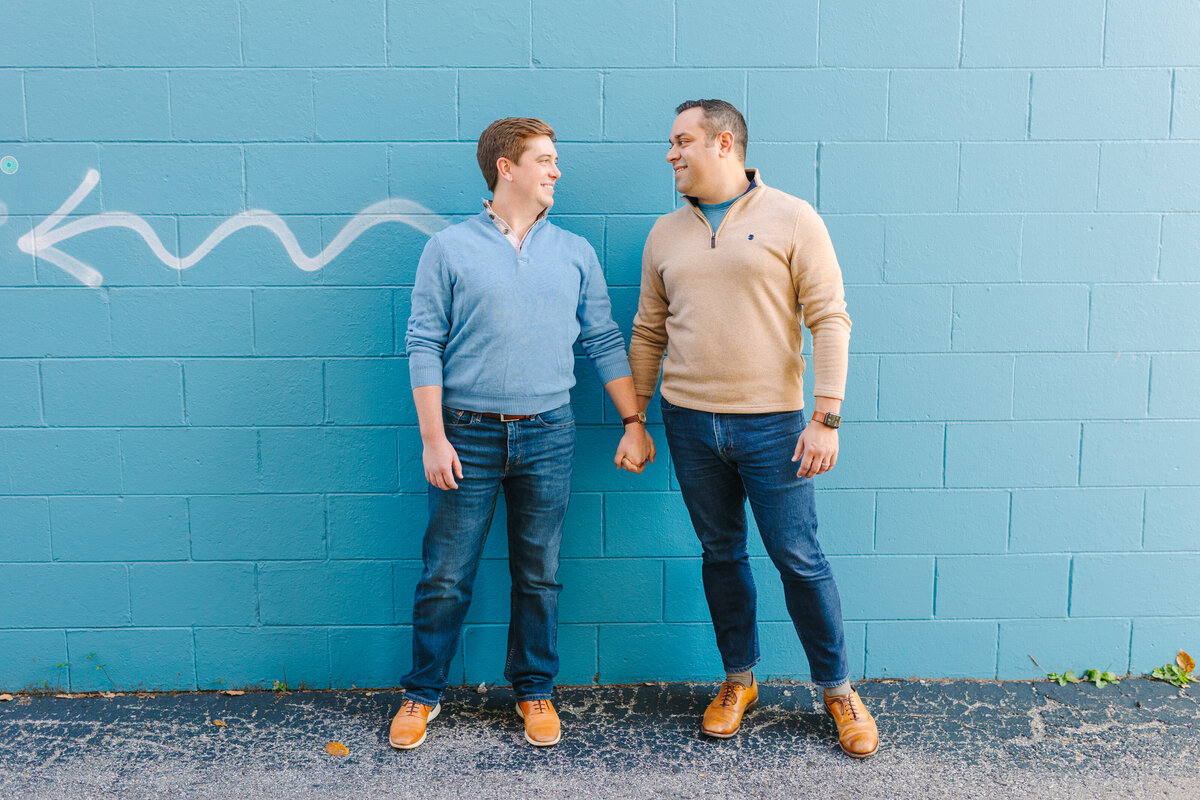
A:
(720, 116)
(505, 138)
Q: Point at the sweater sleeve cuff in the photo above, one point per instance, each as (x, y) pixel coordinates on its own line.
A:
(611, 366)
(424, 370)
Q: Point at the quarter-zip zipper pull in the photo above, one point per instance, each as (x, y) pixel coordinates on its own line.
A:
(712, 243)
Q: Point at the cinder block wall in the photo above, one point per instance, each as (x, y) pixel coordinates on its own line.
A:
(211, 476)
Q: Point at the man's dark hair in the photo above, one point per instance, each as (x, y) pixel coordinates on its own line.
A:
(507, 138)
(720, 116)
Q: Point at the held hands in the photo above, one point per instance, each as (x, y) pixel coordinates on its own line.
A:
(816, 450)
(441, 463)
(635, 450)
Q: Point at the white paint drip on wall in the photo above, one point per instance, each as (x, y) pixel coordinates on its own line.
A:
(40, 242)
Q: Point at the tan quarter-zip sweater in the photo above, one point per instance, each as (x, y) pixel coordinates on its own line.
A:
(726, 307)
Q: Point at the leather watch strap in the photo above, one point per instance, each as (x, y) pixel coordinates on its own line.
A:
(828, 419)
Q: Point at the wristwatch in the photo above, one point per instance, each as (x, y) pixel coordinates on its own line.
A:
(638, 417)
(827, 418)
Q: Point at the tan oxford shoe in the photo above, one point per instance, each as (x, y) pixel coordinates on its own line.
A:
(857, 733)
(542, 727)
(408, 726)
(723, 716)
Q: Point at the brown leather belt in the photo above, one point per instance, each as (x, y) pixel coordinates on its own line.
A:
(505, 417)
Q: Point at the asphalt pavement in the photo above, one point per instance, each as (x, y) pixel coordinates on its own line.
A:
(945, 739)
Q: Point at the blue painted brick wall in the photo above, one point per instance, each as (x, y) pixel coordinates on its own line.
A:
(210, 477)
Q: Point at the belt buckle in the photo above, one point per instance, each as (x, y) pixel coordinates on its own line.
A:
(511, 417)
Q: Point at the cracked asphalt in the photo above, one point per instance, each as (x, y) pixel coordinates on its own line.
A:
(960, 739)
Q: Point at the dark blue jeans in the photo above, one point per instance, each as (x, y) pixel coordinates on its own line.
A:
(532, 461)
(720, 460)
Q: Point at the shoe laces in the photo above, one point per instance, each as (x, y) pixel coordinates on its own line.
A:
(411, 707)
(540, 706)
(728, 695)
(849, 707)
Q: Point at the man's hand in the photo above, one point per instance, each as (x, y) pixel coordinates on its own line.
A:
(441, 463)
(816, 450)
(635, 449)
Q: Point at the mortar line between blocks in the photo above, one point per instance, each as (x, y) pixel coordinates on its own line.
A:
(817, 54)
(958, 180)
(1129, 660)
(1079, 466)
(1008, 541)
(121, 456)
(1149, 383)
(195, 660)
(324, 380)
(1162, 224)
(95, 41)
(170, 111)
(1070, 584)
(50, 526)
(1029, 109)
(328, 657)
(187, 507)
(1171, 115)
(241, 37)
(183, 392)
(875, 522)
(936, 563)
(67, 649)
(962, 30)
(603, 121)
(887, 103)
(675, 32)
(24, 108)
(1104, 34)
(41, 393)
(1145, 504)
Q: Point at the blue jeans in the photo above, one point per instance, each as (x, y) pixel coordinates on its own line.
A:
(532, 461)
(720, 460)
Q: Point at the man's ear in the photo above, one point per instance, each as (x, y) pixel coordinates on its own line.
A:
(725, 143)
(504, 168)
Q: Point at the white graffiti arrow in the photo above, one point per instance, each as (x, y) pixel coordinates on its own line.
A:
(40, 242)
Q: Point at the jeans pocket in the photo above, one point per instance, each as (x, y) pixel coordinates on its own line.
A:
(561, 417)
(456, 418)
(666, 405)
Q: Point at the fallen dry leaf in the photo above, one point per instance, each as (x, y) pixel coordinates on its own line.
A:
(220, 723)
(232, 692)
(1185, 662)
(4, 698)
(337, 749)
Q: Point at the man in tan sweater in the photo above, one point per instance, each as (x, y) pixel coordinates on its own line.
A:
(726, 280)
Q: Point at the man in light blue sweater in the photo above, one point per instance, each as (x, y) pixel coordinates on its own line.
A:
(498, 304)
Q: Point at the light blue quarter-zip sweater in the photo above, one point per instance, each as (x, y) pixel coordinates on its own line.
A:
(496, 328)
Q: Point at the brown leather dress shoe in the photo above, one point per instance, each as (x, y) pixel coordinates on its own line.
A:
(857, 733)
(723, 716)
(542, 728)
(408, 726)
